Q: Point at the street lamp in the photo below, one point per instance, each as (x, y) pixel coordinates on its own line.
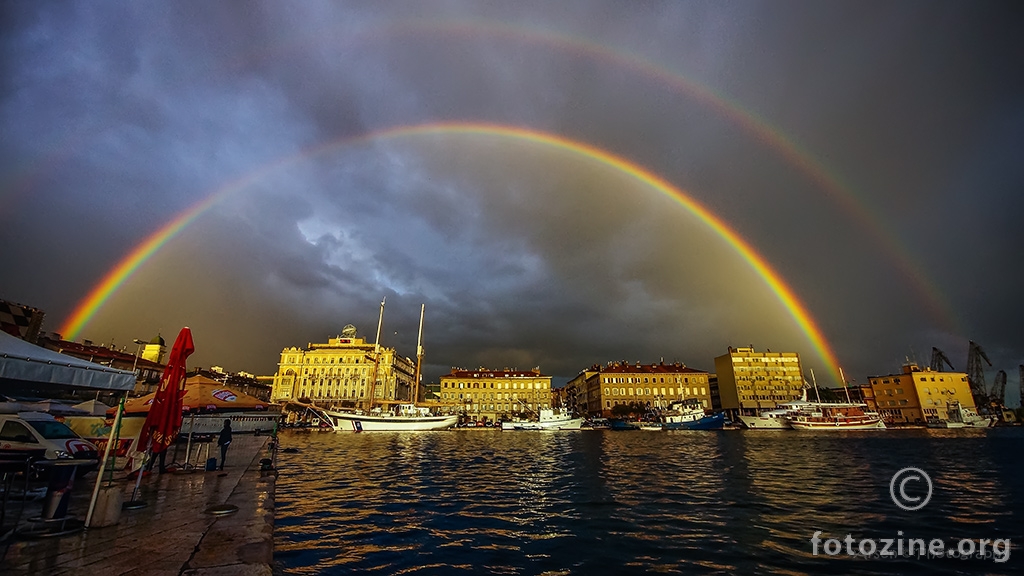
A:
(137, 352)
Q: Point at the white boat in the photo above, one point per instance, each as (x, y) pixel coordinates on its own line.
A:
(835, 416)
(405, 418)
(960, 417)
(550, 419)
(773, 419)
(690, 414)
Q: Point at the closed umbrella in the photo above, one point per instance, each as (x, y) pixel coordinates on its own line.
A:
(164, 419)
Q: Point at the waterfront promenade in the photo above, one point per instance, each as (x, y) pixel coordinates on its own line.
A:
(175, 533)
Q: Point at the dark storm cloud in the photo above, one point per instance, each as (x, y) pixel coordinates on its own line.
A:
(116, 116)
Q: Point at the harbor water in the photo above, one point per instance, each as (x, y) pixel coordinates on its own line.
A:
(605, 502)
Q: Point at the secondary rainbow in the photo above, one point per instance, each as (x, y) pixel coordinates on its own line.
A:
(138, 256)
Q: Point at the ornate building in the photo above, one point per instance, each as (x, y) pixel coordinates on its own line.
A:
(340, 372)
(598, 390)
(486, 394)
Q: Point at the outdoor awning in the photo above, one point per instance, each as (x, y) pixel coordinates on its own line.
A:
(25, 364)
(201, 395)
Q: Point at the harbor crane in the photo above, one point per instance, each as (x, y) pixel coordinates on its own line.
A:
(939, 359)
(999, 389)
(976, 373)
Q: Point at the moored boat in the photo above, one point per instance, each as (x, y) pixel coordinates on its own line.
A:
(774, 418)
(548, 419)
(405, 418)
(835, 416)
(690, 415)
(960, 417)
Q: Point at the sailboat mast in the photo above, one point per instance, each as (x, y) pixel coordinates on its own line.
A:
(419, 360)
(843, 378)
(376, 355)
(816, 395)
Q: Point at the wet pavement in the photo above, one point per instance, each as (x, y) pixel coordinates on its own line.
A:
(177, 532)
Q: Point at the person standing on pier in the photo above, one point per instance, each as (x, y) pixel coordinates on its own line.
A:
(224, 441)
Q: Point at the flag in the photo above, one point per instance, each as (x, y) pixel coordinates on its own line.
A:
(164, 419)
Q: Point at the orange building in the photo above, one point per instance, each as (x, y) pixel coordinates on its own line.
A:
(917, 395)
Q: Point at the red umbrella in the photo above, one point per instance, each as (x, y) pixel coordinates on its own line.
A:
(164, 419)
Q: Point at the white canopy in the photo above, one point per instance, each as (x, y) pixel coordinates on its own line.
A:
(29, 364)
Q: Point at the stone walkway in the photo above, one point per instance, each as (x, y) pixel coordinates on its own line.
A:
(174, 534)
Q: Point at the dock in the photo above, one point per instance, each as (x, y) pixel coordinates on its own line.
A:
(189, 525)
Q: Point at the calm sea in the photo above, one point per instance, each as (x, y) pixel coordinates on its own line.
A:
(603, 502)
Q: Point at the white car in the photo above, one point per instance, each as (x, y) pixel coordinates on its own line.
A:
(34, 431)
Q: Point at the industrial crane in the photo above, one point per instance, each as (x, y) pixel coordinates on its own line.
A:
(999, 389)
(938, 359)
(976, 374)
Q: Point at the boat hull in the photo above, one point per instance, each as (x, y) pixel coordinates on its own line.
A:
(344, 422)
(711, 422)
(567, 424)
(764, 423)
(837, 425)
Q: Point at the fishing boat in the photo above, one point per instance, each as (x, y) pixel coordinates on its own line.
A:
(690, 415)
(548, 419)
(960, 417)
(397, 417)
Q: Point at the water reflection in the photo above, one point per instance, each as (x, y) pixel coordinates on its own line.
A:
(599, 502)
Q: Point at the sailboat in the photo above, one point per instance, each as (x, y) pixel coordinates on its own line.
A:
(834, 415)
(404, 417)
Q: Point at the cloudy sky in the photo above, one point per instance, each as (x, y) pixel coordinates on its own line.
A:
(871, 154)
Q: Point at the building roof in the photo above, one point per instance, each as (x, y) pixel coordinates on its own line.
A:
(638, 368)
(492, 373)
(97, 354)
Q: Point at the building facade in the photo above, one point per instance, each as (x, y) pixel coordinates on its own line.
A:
(343, 373)
(916, 395)
(491, 395)
(751, 381)
(600, 391)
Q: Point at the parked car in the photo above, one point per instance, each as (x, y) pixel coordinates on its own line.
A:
(32, 431)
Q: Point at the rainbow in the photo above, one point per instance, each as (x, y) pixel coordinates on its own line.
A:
(816, 171)
(797, 156)
(88, 307)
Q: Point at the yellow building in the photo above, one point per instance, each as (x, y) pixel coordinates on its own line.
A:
(597, 390)
(155, 350)
(485, 394)
(917, 395)
(339, 373)
(751, 381)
